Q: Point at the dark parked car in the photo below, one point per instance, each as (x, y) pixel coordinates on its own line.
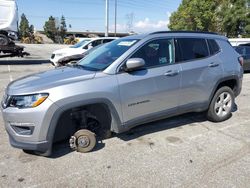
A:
(244, 50)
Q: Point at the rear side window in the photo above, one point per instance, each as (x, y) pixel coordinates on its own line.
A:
(192, 48)
(213, 46)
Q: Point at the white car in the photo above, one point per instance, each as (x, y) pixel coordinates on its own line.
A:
(78, 48)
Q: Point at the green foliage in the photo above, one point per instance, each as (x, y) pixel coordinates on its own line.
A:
(24, 30)
(50, 28)
(63, 27)
(54, 32)
(228, 17)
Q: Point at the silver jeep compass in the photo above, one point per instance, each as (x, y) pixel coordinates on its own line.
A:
(127, 82)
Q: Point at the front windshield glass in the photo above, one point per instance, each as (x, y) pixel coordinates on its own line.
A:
(105, 55)
(80, 44)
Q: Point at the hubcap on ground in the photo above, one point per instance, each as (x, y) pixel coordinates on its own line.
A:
(223, 104)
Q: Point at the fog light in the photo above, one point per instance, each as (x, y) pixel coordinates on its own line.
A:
(23, 128)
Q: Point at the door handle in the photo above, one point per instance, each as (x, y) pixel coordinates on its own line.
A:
(213, 65)
(171, 73)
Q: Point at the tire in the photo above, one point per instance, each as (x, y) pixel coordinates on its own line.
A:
(220, 108)
(4, 41)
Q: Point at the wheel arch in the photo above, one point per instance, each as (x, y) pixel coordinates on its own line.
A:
(115, 119)
(230, 81)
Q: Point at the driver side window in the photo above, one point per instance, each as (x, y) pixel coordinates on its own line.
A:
(156, 53)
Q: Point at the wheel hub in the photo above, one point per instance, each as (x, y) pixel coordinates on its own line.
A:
(223, 104)
(83, 141)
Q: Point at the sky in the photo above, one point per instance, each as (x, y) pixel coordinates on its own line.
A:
(136, 15)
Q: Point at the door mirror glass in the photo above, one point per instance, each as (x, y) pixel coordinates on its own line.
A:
(134, 64)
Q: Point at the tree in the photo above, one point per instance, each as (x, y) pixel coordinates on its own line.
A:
(24, 27)
(234, 17)
(50, 28)
(31, 29)
(228, 17)
(63, 27)
(198, 15)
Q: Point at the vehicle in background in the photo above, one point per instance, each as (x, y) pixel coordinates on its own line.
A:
(78, 48)
(74, 58)
(8, 22)
(246, 44)
(238, 41)
(244, 50)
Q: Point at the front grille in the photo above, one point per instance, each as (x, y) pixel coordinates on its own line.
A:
(52, 56)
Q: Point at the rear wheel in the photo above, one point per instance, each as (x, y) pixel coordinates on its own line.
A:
(221, 106)
(3, 40)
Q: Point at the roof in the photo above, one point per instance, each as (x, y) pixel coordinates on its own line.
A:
(178, 34)
(197, 32)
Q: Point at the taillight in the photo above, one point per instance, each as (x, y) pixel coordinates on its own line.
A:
(241, 61)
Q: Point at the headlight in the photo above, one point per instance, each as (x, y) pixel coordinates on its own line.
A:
(27, 101)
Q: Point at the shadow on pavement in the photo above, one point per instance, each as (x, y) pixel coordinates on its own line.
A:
(62, 148)
(161, 125)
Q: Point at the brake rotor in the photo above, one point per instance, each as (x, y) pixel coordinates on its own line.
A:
(85, 140)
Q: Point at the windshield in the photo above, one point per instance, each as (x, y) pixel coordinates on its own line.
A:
(105, 55)
(80, 44)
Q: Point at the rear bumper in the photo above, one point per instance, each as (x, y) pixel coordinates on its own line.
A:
(237, 90)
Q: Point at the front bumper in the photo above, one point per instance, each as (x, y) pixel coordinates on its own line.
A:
(34, 146)
(28, 128)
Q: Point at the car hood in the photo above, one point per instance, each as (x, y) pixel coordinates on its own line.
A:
(48, 79)
(69, 51)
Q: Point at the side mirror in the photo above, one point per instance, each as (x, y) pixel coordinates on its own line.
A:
(134, 64)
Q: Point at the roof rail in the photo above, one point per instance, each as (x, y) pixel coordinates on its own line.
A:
(198, 32)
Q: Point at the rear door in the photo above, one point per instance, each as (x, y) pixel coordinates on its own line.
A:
(201, 69)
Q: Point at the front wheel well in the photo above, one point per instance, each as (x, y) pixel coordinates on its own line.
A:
(80, 117)
(4, 33)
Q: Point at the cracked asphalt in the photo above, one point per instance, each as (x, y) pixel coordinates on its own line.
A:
(184, 151)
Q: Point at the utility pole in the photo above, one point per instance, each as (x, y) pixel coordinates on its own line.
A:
(115, 15)
(107, 19)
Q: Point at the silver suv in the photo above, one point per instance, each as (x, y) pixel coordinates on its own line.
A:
(127, 82)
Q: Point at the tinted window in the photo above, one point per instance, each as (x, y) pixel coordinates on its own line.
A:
(158, 52)
(96, 43)
(192, 48)
(107, 40)
(243, 50)
(213, 46)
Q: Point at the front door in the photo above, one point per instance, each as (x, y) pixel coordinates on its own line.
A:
(154, 89)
